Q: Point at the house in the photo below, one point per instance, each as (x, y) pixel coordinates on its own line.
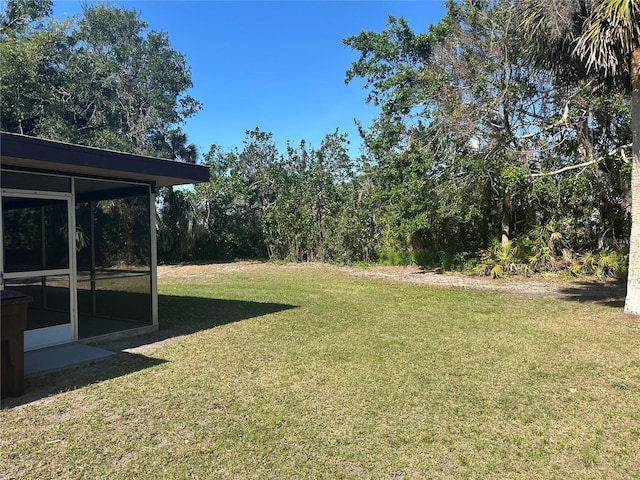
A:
(78, 234)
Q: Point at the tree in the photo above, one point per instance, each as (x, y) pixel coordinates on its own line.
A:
(473, 140)
(300, 204)
(102, 79)
(180, 226)
(19, 14)
(124, 85)
(29, 57)
(173, 145)
(179, 215)
(235, 200)
(460, 113)
(597, 40)
(105, 80)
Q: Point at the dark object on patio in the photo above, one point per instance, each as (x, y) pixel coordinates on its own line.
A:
(13, 322)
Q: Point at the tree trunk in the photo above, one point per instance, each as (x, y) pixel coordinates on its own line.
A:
(505, 233)
(632, 302)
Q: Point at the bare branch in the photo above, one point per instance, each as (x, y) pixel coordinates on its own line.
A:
(584, 164)
(565, 169)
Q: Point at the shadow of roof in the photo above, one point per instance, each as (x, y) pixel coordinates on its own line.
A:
(179, 316)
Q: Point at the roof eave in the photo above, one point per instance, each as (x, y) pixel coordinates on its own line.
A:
(41, 154)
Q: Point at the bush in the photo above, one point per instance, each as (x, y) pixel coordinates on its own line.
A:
(395, 257)
(445, 260)
(607, 264)
(542, 250)
(503, 259)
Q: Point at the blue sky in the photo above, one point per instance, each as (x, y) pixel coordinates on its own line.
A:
(279, 66)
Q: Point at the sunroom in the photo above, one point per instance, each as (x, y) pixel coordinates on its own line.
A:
(78, 235)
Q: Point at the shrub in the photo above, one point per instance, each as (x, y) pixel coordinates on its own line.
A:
(445, 260)
(503, 259)
(396, 257)
(608, 263)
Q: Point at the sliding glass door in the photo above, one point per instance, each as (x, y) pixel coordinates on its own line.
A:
(38, 258)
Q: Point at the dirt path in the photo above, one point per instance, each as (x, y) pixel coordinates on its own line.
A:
(546, 286)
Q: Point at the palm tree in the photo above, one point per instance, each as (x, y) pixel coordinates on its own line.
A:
(597, 40)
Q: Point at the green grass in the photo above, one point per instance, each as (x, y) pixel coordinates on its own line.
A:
(307, 372)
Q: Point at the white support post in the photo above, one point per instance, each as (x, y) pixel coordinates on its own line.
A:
(73, 265)
(154, 258)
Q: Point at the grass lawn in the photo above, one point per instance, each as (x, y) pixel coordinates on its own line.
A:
(311, 373)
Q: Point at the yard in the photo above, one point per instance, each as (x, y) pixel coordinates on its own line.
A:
(309, 371)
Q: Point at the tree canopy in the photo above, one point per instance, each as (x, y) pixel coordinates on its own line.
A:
(597, 43)
(502, 144)
(103, 80)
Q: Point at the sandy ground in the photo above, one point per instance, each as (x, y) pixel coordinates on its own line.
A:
(546, 286)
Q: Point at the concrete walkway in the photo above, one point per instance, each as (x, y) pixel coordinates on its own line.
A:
(61, 356)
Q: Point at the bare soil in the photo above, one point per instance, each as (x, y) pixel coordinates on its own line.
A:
(549, 285)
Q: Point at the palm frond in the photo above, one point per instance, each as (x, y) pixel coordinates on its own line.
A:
(550, 29)
(610, 34)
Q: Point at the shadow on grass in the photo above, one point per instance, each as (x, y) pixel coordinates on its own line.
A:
(192, 314)
(607, 294)
(39, 386)
(178, 316)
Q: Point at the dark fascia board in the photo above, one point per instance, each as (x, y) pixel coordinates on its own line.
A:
(49, 155)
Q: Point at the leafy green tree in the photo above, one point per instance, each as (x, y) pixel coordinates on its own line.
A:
(234, 201)
(303, 204)
(180, 226)
(18, 15)
(302, 221)
(173, 144)
(30, 53)
(125, 86)
(474, 140)
(179, 215)
(452, 101)
(599, 41)
(102, 80)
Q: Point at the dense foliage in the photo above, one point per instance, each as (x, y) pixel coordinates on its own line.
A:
(502, 136)
(482, 156)
(303, 204)
(102, 80)
(479, 157)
